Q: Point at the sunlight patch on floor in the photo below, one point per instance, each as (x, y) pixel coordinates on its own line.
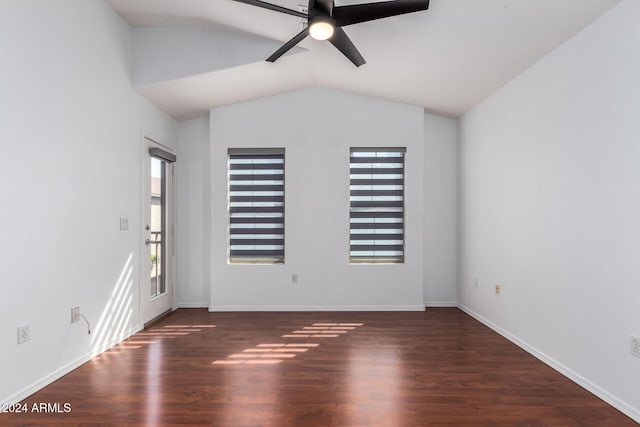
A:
(154, 335)
(323, 330)
(269, 353)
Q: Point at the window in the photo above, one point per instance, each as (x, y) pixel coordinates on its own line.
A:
(256, 206)
(376, 213)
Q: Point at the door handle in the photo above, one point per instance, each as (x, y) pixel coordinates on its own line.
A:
(147, 242)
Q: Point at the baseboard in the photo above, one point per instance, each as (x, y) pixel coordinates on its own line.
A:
(317, 308)
(64, 370)
(192, 305)
(622, 406)
(440, 303)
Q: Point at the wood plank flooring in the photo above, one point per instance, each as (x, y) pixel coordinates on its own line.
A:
(434, 368)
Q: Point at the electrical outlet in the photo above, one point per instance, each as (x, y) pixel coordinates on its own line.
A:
(635, 346)
(498, 290)
(23, 333)
(75, 314)
(476, 283)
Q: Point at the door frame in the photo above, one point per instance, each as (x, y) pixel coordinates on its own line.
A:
(170, 258)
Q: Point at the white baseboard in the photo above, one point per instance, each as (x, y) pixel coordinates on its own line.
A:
(317, 308)
(620, 405)
(192, 305)
(441, 303)
(64, 370)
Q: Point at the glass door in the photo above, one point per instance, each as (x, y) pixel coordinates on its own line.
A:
(157, 257)
(158, 226)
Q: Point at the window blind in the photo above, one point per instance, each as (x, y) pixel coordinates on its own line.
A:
(256, 206)
(376, 205)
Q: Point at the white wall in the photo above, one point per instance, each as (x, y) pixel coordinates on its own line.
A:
(550, 208)
(169, 53)
(441, 211)
(70, 133)
(317, 127)
(193, 213)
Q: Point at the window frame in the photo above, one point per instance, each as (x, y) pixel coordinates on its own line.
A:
(242, 214)
(387, 208)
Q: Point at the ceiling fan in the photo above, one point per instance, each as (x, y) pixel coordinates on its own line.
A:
(325, 21)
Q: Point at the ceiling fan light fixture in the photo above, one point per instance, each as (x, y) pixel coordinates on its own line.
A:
(321, 28)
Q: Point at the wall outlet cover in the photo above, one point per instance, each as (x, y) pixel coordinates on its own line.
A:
(23, 333)
(635, 345)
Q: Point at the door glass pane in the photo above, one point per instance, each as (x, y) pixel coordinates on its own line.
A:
(157, 226)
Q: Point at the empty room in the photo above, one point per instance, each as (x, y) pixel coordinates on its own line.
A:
(320, 212)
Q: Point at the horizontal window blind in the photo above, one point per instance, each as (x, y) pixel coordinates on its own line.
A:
(376, 205)
(256, 206)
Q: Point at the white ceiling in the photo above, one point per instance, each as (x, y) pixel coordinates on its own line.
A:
(446, 59)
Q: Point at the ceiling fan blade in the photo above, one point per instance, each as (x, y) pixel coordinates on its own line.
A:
(289, 45)
(343, 43)
(354, 14)
(273, 7)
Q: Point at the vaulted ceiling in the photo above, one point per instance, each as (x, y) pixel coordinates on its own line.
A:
(446, 59)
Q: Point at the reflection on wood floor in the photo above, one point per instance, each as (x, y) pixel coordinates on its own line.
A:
(438, 367)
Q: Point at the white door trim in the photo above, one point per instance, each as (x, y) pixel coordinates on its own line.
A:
(143, 279)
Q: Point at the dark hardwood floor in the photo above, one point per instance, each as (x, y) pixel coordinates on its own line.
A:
(438, 367)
